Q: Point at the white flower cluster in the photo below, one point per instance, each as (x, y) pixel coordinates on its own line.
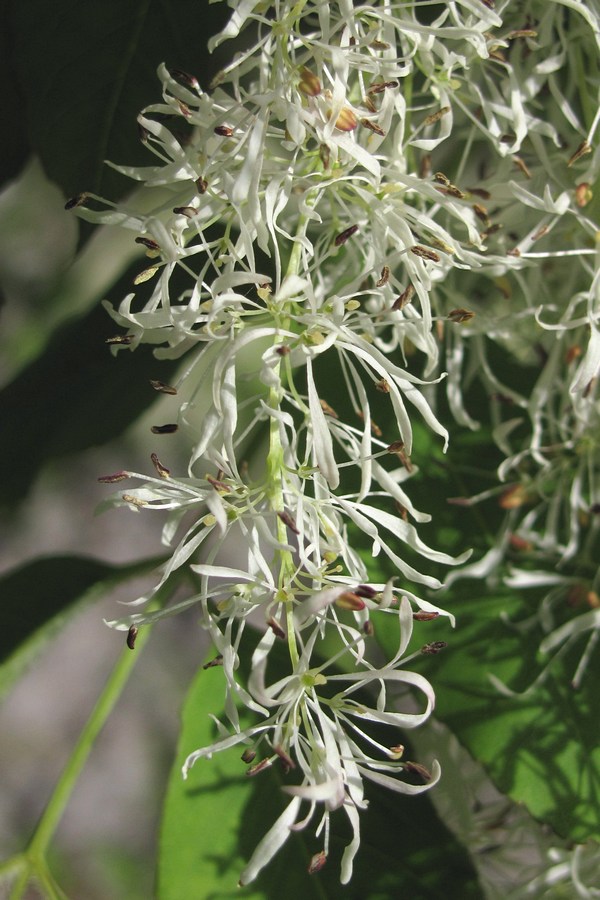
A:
(305, 255)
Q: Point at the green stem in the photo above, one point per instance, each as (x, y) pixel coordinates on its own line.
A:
(47, 825)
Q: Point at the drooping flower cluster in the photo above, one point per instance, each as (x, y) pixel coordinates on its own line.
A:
(305, 256)
(534, 345)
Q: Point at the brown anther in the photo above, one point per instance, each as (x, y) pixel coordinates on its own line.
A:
(324, 155)
(395, 447)
(169, 428)
(442, 179)
(147, 242)
(573, 353)
(404, 298)
(143, 133)
(309, 84)
(218, 485)
(451, 191)
(521, 33)
(520, 164)
(223, 130)
(129, 498)
(384, 277)
(350, 600)
(346, 121)
(276, 628)
(369, 104)
(286, 759)
(396, 751)
(589, 388)
(423, 616)
(201, 185)
(282, 350)
(514, 252)
(497, 55)
(76, 201)
(383, 386)
(162, 388)
(583, 149)
(583, 194)
(185, 79)
(460, 315)
(343, 236)
(248, 756)
(112, 479)
(481, 213)
(401, 510)
(489, 3)
(328, 410)
(433, 648)
(417, 769)
(259, 767)
(160, 469)
(372, 126)
(540, 233)
(184, 109)
(493, 229)
(425, 166)
(424, 253)
(287, 520)
(131, 636)
(317, 862)
(188, 211)
(378, 87)
(120, 339)
(214, 663)
(480, 192)
(368, 628)
(436, 116)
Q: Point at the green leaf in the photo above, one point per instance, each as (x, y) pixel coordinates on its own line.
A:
(37, 598)
(543, 749)
(85, 70)
(214, 819)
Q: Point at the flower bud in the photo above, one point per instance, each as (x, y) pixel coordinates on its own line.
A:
(346, 121)
(350, 600)
(309, 83)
